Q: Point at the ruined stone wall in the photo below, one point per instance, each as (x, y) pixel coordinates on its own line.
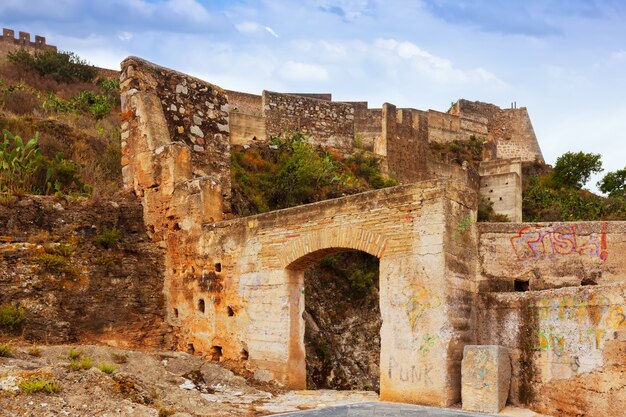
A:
(567, 347)
(367, 125)
(245, 103)
(329, 124)
(404, 136)
(73, 288)
(555, 294)
(501, 184)
(510, 129)
(551, 255)
(8, 42)
(236, 291)
(246, 128)
(175, 146)
(443, 127)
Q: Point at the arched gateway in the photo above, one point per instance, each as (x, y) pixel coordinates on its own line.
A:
(234, 287)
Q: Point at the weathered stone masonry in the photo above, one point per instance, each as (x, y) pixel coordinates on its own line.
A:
(552, 293)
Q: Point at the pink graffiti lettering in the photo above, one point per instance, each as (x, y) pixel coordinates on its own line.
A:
(532, 243)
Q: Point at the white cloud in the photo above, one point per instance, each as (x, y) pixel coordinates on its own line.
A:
(247, 27)
(271, 31)
(621, 54)
(433, 66)
(125, 36)
(300, 71)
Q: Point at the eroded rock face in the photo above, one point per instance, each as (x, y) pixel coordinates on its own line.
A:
(75, 283)
(342, 323)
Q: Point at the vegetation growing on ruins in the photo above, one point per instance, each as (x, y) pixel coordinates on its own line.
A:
(60, 100)
(459, 151)
(60, 65)
(557, 194)
(291, 171)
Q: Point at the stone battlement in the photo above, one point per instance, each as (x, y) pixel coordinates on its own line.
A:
(8, 41)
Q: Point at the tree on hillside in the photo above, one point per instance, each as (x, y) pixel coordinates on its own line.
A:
(573, 169)
(614, 183)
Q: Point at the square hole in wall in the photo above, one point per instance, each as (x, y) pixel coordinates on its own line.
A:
(521, 285)
(201, 305)
(218, 267)
(216, 353)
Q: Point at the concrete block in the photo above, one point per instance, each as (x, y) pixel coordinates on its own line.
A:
(485, 378)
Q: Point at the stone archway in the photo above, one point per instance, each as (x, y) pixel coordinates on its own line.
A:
(295, 273)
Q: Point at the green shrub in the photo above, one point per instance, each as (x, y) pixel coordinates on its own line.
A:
(6, 350)
(65, 250)
(107, 368)
(32, 386)
(73, 354)
(292, 172)
(105, 261)
(34, 351)
(53, 264)
(108, 237)
(362, 281)
(61, 65)
(80, 364)
(23, 169)
(11, 316)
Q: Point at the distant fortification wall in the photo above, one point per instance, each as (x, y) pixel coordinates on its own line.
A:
(330, 123)
(510, 129)
(9, 43)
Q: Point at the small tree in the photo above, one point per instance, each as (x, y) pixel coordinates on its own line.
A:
(573, 169)
(614, 183)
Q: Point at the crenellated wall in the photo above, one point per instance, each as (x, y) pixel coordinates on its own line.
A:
(9, 43)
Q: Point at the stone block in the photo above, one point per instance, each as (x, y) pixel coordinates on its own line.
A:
(485, 378)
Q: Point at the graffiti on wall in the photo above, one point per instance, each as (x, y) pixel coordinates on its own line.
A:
(415, 374)
(419, 300)
(576, 322)
(533, 243)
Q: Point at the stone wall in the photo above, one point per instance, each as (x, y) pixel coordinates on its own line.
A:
(245, 103)
(555, 294)
(551, 255)
(236, 291)
(9, 43)
(246, 128)
(568, 347)
(404, 138)
(330, 124)
(175, 146)
(74, 289)
(510, 129)
(443, 127)
(367, 124)
(501, 184)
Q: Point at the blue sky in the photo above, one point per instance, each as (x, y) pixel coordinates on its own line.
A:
(564, 60)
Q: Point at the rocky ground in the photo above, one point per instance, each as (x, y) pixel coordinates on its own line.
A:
(145, 383)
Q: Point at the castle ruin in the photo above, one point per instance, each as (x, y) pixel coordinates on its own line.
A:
(553, 294)
(9, 43)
